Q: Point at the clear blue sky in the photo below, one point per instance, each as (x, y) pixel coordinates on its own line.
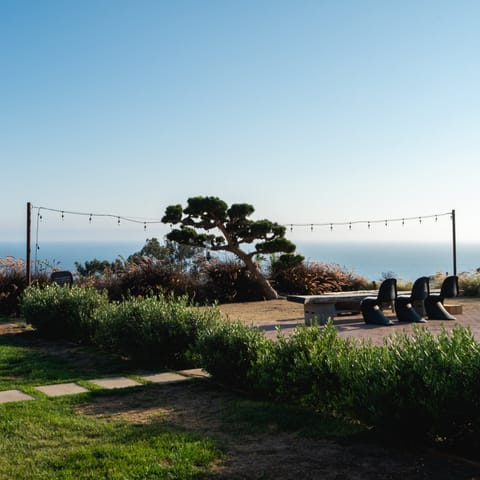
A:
(312, 111)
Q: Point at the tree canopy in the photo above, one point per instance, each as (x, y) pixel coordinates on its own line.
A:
(208, 222)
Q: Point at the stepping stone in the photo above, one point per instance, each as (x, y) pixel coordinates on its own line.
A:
(115, 382)
(13, 396)
(195, 372)
(61, 389)
(167, 377)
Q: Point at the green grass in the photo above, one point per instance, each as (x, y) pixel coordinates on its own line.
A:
(46, 439)
(21, 366)
(253, 417)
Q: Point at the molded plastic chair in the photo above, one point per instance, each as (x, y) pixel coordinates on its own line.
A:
(412, 308)
(371, 307)
(62, 278)
(434, 303)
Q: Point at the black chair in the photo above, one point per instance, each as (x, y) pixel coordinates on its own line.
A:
(371, 307)
(62, 278)
(434, 303)
(412, 308)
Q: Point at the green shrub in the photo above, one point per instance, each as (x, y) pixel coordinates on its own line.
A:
(418, 386)
(229, 350)
(414, 387)
(299, 368)
(159, 331)
(63, 312)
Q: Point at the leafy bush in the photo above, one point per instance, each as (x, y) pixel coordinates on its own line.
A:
(143, 277)
(229, 349)
(63, 312)
(300, 368)
(436, 382)
(160, 331)
(13, 282)
(229, 281)
(422, 386)
(469, 282)
(314, 278)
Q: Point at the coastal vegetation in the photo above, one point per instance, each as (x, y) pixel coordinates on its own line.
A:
(231, 230)
(421, 386)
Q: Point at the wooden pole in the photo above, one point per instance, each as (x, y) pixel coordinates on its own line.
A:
(454, 241)
(28, 263)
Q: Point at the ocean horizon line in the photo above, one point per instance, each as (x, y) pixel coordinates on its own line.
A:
(407, 260)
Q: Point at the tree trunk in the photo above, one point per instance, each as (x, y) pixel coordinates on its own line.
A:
(268, 291)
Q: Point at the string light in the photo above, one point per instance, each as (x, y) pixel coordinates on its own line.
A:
(369, 223)
(91, 216)
(311, 225)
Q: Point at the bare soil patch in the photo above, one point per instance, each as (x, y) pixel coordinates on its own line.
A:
(199, 406)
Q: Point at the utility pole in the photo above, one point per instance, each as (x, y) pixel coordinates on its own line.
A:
(28, 263)
(454, 241)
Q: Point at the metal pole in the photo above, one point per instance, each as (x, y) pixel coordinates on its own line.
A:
(454, 241)
(28, 263)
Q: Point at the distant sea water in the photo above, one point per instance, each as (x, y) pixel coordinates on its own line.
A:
(406, 260)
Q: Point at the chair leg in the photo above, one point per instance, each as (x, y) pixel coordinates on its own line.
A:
(436, 311)
(405, 311)
(372, 314)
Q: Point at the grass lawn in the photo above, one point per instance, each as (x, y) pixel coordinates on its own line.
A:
(48, 439)
(190, 430)
(52, 438)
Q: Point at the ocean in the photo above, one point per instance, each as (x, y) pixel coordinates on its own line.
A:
(407, 261)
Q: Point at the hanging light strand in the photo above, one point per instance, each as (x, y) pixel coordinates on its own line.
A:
(367, 222)
(90, 216)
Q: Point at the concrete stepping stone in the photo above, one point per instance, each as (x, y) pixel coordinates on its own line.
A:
(167, 377)
(61, 389)
(195, 372)
(115, 382)
(8, 396)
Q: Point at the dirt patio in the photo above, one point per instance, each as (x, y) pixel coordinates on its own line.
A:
(273, 314)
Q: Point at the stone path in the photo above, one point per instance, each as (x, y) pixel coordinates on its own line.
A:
(109, 383)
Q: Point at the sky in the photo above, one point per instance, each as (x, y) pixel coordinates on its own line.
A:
(312, 111)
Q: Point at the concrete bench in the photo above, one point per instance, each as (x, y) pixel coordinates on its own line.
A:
(325, 306)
